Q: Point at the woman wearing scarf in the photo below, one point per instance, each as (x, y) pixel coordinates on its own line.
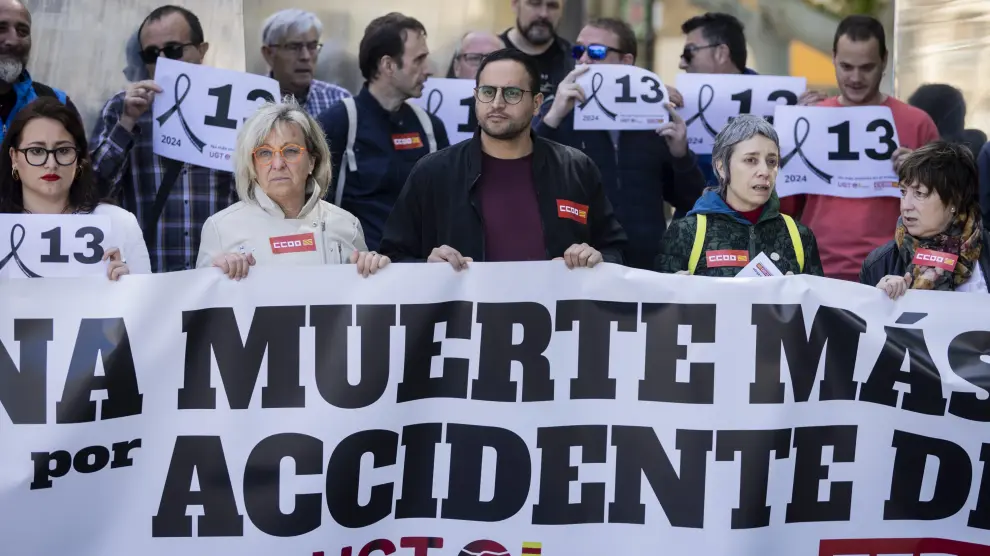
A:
(735, 222)
(939, 243)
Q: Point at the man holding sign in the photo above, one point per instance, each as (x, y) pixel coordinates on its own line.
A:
(640, 169)
(848, 229)
(124, 156)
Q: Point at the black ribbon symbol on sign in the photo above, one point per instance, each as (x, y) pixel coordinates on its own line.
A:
(429, 102)
(702, 106)
(596, 83)
(15, 244)
(798, 143)
(196, 141)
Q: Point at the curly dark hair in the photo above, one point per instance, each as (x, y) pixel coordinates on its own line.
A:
(84, 193)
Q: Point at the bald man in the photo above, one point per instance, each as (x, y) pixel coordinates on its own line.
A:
(474, 46)
(16, 87)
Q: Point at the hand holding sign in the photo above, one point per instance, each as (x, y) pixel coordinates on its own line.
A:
(621, 97)
(138, 98)
(199, 108)
(568, 94)
(842, 152)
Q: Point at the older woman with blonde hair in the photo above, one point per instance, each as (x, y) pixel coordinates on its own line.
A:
(282, 169)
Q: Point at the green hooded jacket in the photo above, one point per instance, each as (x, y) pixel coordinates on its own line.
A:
(728, 230)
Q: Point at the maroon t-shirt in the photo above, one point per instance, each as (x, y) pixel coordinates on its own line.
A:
(510, 210)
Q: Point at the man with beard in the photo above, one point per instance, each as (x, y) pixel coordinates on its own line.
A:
(17, 89)
(376, 137)
(171, 199)
(535, 34)
(640, 169)
(505, 195)
(848, 229)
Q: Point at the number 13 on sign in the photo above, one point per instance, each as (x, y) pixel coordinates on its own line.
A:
(621, 97)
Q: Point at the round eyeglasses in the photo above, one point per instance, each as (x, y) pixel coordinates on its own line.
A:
(511, 95)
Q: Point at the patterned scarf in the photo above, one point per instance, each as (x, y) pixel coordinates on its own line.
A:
(962, 238)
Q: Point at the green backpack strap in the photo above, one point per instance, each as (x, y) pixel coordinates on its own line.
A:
(792, 229)
(699, 243)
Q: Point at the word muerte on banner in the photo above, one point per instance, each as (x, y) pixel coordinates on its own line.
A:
(451, 100)
(713, 100)
(619, 96)
(841, 152)
(518, 408)
(52, 245)
(197, 115)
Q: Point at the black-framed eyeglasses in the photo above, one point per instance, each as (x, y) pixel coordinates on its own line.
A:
(172, 51)
(297, 47)
(38, 156)
(511, 95)
(595, 51)
(689, 50)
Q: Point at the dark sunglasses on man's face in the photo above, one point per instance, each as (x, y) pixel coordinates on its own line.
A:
(689, 50)
(595, 51)
(172, 51)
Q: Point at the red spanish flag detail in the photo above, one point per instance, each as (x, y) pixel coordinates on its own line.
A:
(927, 257)
(725, 257)
(298, 243)
(407, 141)
(531, 548)
(572, 210)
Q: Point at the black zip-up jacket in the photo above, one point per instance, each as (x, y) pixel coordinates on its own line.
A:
(439, 204)
(886, 261)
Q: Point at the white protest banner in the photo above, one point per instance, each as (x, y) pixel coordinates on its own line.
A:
(451, 100)
(841, 152)
(197, 114)
(52, 245)
(515, 408)
(619, 96)
(712, 100)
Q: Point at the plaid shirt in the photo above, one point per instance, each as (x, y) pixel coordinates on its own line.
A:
(128, 164)
(323, 95)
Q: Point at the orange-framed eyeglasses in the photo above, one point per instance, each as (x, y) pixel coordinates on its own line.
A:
(266, 155)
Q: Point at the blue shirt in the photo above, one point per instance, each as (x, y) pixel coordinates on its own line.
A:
(387, 146)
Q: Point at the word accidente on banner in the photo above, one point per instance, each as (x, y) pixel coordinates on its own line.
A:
(448, 410)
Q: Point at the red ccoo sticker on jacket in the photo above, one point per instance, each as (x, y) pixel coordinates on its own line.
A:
(572, 210)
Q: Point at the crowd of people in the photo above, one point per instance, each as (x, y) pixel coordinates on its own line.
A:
(370, 178)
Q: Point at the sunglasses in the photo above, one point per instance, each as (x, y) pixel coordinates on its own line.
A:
(689, 50)
(595, 51)
(172, 51)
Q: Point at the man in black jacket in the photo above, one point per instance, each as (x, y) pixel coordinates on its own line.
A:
(640, 169)
(505, 195)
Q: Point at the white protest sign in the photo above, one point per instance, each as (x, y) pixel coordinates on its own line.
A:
(52, 245)
(451, 100)
(841, 152)
(619, 96)
(515, 409)
(760, 267)
(712, 100)
(198, 112)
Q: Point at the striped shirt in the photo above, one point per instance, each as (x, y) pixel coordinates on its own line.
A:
(126, 163)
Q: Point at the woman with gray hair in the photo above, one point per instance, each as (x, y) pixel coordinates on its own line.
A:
(282, 168)
(736, 221)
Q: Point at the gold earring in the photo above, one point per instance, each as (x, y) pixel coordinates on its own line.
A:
(15, 175)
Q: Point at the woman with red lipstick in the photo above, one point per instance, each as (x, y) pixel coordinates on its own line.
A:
(735, 222)
(939, 243)
(45, 169)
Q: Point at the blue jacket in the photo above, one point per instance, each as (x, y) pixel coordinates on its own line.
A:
(28, 90)
(638, 175)
(705, 161)
(371, 192)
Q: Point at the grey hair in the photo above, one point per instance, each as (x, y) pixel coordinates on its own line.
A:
(742, 128)
(288, 22)
(256, 130)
